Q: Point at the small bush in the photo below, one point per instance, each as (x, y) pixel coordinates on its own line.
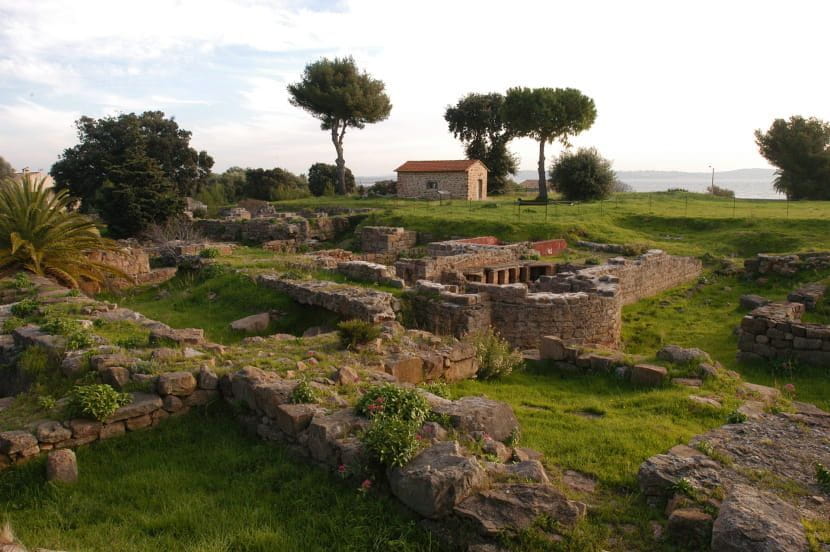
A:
(12, 323)
(303, 393)
(736, 417)
(98, 401)
(356, 332)
(46, 402)
(823, 477)
(35, 362)
(496, 358)
(25, 308)
(719, 192)
(77, 337)
(209, 253)
(132, 341)
(392, 401)
(392, 441)
(21, 281)
(583, 175)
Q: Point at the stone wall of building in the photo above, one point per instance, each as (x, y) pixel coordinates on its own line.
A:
(776, 332)
(786, 265)
(386, 239)
(455, 256)
(348, 301)
(460, 185)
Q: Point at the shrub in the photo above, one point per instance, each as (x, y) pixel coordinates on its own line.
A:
(303, 393)
(496, 358)
(99, 401)
(823, 477)
(35, 362)
(21, 281)
(46, 402)
(390, 400)
(12, 323)
(736, 417)
(25, 307)
(77, 337)
(392, 441)
(356, 332)
(719, 192)
(209, 253)
(583, 175)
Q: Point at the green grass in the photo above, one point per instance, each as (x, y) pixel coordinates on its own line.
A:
(212, 303)
(198, 483)
(664, 220)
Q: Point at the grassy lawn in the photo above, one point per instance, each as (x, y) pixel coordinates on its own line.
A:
(689, 224)
(198, 483)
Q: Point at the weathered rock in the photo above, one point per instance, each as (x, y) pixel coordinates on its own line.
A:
(529, 470)
(165, 354)
(52, 432)
(74, 363)
(269, 396)
(184, 336)
(172, 403)
(522, 454)
(201, 397)
(497, 449)
(12, 442)
(252, 324)
(433, 430)
(514, 507)
(469, 414)
(551, 348)
(346, 375)
(406, 369)
(754, 521)
(659, 474)
(244, 381)
(143, 403)
(207, 379)
(116, 376)
(292, 419)
(436, 480)
(687, 382)
(324, 430)
(134, 424)
(190, 352)
(61, 466)
(114, 429)
(648, 375)
(83, 429)
(752, 302)
(681, 355)
(706, 401)
(690, 526)
(180, 384)
(578, 481)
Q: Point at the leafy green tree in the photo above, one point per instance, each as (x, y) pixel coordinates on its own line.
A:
(6, 170)
(800, 148)
(40, 234)
(111, 142)
(322, 179)
(583, 175)
(137, 195)
(341, 96)
(548, 114)
(274, 184)
(223, 189)
(478, 121)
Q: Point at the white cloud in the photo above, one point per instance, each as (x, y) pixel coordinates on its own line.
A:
(32, 134)
(677, 86)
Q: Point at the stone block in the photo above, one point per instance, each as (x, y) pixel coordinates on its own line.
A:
(62, 466)
(180, 384)
(648, 375)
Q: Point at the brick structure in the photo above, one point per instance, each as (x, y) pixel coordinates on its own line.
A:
(464, 179)
(776, 332)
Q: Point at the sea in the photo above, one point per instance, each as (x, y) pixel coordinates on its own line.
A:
(746, 183)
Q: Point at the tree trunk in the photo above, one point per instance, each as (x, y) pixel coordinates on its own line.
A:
(337, 140)
(543, 185)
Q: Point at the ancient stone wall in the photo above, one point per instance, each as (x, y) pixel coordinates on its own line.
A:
(299, 229)
(349, 301)
(386, 239)
(455, 256)
(786, 265)
(645, 276)
(370, 272)
(775, 332)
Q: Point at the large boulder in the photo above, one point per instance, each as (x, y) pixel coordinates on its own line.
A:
(681, 355)
(13, 442)
(61, 466)
(436, 480)
(292, 419)
(659, 474)
(252, 324)
(754, 521)
(469, 414)
(515, 506)
(648, 375)
(269, 396)
(142, 404)
(52, 432)
(244, 381)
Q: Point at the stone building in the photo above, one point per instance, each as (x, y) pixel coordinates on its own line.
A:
(463, 179)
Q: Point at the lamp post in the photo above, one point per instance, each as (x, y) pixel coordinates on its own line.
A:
(712, 187)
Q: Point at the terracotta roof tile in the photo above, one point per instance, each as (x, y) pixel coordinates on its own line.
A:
(437, 166)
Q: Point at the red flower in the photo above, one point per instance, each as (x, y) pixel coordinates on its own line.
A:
(341, 468)
(366, 485)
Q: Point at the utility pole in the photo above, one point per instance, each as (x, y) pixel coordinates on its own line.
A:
(712, 188)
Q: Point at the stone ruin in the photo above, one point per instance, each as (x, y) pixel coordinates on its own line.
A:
(134, 263)
(523, 300)
(386, 239)
(303, 227)
(786, 265)
(774, 331)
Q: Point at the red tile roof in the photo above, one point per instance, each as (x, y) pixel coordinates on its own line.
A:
(461, 165)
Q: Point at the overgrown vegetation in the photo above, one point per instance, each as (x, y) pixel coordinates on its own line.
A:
(356, 332)
(98, 401)
(396, 414)
(496, 358)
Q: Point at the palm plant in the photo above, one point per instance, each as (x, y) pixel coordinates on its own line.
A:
(41, 234)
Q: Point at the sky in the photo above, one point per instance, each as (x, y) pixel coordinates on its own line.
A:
(678, 85)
